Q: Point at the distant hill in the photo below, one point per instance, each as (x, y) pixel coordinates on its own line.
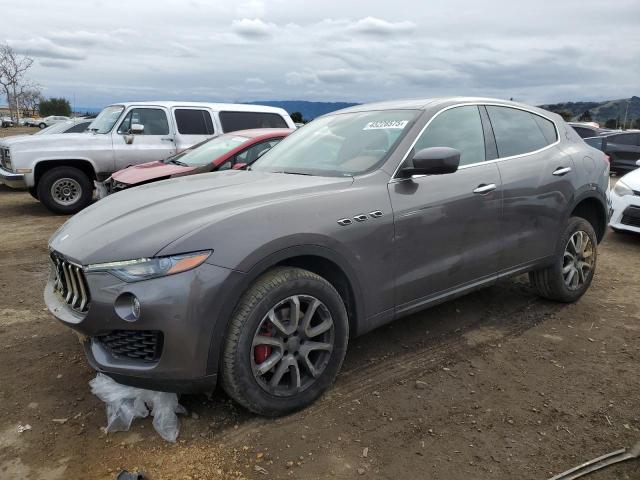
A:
(601, 111)
(309, 110)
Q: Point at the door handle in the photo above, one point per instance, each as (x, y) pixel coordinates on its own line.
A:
(484, 188)
(560, 171)
(167, 139)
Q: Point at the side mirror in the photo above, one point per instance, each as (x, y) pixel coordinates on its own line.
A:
(239, 166)
(137, 128)
(638, 163)
(433, 161)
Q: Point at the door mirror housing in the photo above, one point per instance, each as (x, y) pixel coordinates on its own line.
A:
(433, 161)
(137, 128)
(638, 163)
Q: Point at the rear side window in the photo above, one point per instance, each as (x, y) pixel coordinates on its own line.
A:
(459, 128)
(548, 129)
(624, 139)
(516, 131)
(194, 122)
(232, 121)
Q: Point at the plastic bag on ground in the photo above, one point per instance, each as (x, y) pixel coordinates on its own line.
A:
(124, 404)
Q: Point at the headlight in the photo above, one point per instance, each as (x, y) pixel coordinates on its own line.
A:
(146, 268)
(622, 189)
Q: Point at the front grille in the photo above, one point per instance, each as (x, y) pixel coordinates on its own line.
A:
(70, 283)
(144, 345)
(5, 158)
(631, 216)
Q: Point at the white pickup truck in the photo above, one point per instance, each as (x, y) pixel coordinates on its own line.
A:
(59, 170)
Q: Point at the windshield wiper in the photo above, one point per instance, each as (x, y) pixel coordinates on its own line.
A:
(177, 162)
(296, 173)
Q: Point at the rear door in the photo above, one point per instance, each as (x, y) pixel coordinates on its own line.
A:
(193, 125)
(624, 150)
(156, 142)
(447, 227)
(537, 181)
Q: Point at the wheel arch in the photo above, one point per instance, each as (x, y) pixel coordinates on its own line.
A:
(84, 165)
(593, 209)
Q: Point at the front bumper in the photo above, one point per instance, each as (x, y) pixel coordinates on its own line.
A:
(626, 212)
(11, 179)
(183, 308)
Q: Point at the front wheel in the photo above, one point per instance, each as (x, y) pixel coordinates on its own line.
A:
(65, 190)
(42, 125)
(571, 273)
(285, 343)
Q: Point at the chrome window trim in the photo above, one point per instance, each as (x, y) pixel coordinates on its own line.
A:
(485, 162)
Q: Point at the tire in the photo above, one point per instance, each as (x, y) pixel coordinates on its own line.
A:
(274, 292)
(70, 183)
(33, 191)
(42, 125)
(557, 284)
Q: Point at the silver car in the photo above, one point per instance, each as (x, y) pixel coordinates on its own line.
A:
(258, 278)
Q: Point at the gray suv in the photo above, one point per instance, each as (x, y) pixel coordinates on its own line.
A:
(259, 278)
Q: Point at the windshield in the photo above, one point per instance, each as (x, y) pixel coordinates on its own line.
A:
(339, 145)
(106, 119)
(207, 151)
(595, 142)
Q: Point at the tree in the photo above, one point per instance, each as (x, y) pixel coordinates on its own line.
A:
(636, 123)
(13, 68)
(611, 123)
(29, 101)
(586, 117)
(55, 106)
(296, 117)
(566, 115)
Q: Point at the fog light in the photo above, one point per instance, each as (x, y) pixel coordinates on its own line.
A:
(127, 307)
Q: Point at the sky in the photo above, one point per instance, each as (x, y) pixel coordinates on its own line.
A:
(98, 52)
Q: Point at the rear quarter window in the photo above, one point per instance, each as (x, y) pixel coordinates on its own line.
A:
(232, 121)
(517, 131)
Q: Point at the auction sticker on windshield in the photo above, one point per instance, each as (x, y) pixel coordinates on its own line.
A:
(384, 124)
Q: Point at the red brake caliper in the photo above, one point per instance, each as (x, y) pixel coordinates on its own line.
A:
(262, 352)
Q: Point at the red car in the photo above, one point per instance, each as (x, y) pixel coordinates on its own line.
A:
(228, 151)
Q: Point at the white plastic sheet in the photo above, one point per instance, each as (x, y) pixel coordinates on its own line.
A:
(125, 403)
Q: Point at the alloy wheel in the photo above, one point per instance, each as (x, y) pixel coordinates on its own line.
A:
(292, 345)
(578, 260)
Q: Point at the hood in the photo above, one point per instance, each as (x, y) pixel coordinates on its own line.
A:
(149, 171)
(54, 141)
(139, 222)
(632, 179)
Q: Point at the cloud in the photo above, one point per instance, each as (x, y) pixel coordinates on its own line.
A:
(55, 63)
(44, 48)
(254, 81)
(381, 28)
(254, 29)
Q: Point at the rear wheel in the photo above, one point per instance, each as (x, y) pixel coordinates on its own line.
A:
(574, 265)
(286, 342)
(65, 190)
(42, 125)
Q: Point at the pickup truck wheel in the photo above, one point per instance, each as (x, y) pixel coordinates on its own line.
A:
(65, 190)
(574, 265)
(285, 343)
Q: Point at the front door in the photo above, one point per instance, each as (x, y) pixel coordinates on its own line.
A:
(155, 142)
(447, 226)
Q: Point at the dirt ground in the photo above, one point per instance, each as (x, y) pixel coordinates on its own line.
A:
(496, 385)
(7, 132)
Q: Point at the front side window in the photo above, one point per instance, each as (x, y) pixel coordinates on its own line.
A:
(193, 122)
(339, 145)
(516, 131)
(106, 119)
(154, 121)
(232, 121)
(459, 128)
